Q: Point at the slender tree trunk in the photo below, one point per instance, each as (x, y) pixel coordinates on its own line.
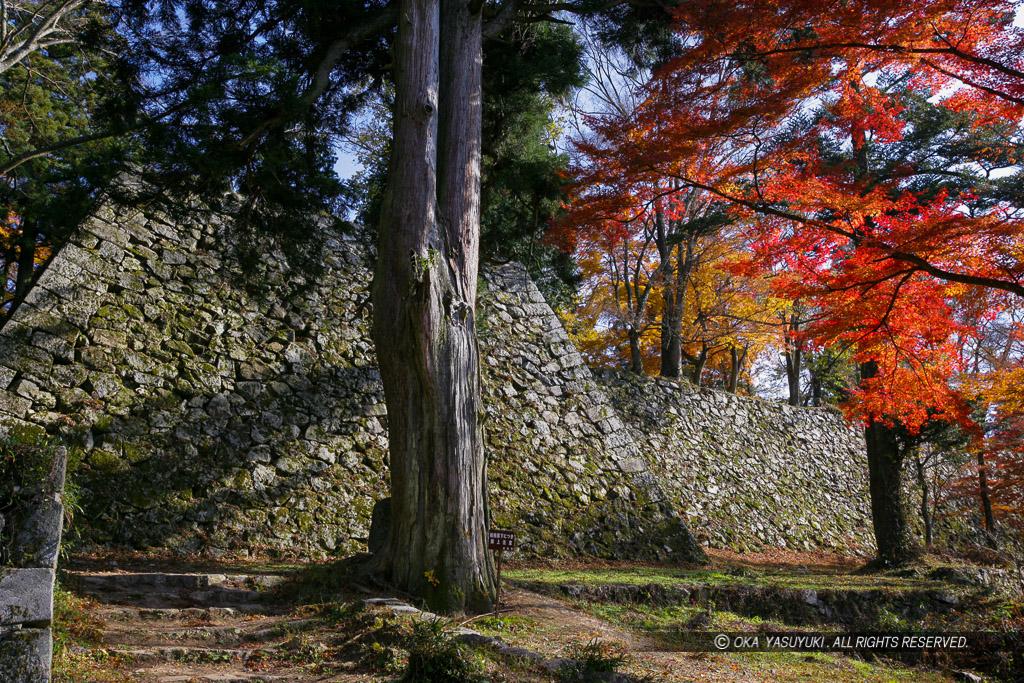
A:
(26, 261)
(815, 390)
(736, 359)
(671, 337)
(793, 376)
(926, 511)
(672, 319)
(636, 358)
(672, 322)
(885, 477)
(794, 360)
(698, 364)
(424, 296)
(986, 503)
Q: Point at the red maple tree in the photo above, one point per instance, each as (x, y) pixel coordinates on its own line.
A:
(797, 99)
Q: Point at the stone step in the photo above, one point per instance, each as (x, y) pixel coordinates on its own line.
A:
(133, 581)
(214, 677)
(127, 582)
(198, 655)
(210, 597)
(202, 634)
(148, 635)
(134, 613)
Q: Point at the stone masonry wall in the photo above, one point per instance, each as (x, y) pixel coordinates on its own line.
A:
(747, 473)
(225, 416)
(220, 418)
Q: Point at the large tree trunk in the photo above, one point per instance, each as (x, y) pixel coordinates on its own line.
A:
(424, 296)
(26, 261)
(885, 478)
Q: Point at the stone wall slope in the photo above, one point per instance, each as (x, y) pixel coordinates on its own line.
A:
(748, 473)
(222, 415)
(225, 416)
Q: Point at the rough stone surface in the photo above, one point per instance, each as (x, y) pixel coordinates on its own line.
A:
(747, 473)
(25, 655)
(26, 596)
(37, 533)
(26, 581)
(224, 417)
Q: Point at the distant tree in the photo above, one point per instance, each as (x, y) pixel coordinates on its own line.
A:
(31, 26)
(59, 117)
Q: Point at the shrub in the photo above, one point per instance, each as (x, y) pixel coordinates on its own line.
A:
(436, 657)
(592, 657)
(26, 462)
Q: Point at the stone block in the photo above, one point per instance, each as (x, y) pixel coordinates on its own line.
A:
(26, 597)
(26, 655)
(14, 405)
(112, 233)
(36, 534)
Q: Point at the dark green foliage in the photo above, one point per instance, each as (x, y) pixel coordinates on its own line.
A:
(832, 376)
(643, 31)
(527, 74)
(231, 85)
(59, 95)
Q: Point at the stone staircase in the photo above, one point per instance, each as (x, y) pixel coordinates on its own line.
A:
(205, 628)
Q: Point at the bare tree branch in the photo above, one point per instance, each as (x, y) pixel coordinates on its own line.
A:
(43, 28)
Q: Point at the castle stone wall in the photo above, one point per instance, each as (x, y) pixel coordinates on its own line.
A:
(229, 415)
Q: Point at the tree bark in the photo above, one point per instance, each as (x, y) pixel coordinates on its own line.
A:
(986, 503)
(424, 296)
(675, 308)
(794, 360)
(926, 512)
(636, 358)
(699, 362)
(671, 336)
(885, 478)
(736, 364)
(26, 262)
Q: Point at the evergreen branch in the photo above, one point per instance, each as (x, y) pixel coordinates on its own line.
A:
(378, 22)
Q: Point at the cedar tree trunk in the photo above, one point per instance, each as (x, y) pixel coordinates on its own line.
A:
(424, 298)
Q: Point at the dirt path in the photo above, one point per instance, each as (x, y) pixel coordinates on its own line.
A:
(223, 628)
(552, 627)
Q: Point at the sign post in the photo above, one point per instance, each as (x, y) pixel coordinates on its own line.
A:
(500, 540)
